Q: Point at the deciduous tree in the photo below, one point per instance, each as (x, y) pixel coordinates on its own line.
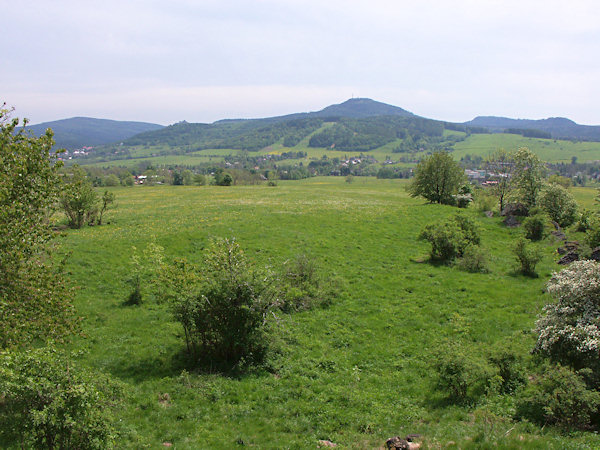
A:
(35, 303)
(437, 178)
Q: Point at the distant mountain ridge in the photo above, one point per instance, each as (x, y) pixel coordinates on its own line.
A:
(358, 124)
(78, 132)
(557, 127)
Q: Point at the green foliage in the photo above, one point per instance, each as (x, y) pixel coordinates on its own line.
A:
(510, 367)
(483, 201)
(460, 375)
(222, 178)
(143, 270)
(528, 174)
(475, 260)
(112, 180)
(449, 239)
(78, 198)
(500, 164)
(437, 178)
(199, 179)
(108, 198)
(224, 316)
(560, 180)
(48, 402)
(535, 227)
(527, 257)
(558, 397)
(586, 221)
(559, 204)
(592, 235)
(35, 302)
(303, 286)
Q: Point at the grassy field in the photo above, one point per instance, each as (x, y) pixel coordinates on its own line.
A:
(548, 150)
(356, 372)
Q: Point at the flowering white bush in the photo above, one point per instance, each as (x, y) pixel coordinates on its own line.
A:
(569, 331)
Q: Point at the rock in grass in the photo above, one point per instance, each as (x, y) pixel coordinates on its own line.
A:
(595, 255)
(408, 443)
(397, 443)
(515, 209)
(568, 258)
(511, 222)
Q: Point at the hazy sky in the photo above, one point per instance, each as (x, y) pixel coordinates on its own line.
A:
(165, 61)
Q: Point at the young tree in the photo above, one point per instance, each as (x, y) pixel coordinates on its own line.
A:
(108, 198)
(528, 175)
(35, 303)
(78, 199)
(559, 204)
(500, 164)
(437, 178)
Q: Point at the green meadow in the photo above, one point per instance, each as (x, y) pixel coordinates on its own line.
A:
(355, 372)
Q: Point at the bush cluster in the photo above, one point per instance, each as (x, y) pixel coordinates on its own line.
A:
(559, 397)
(450, 239)
(535, 227)
(48, 402)
(527, 257)
(559, 204)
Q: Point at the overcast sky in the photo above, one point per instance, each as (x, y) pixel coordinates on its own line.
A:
(165, 61)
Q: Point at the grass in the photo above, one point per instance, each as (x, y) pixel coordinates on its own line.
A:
(548, 150)
(355, 373)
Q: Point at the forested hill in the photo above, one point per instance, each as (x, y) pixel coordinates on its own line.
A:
(356, 124)
(78, 132)
(554, 127)
(360, 108)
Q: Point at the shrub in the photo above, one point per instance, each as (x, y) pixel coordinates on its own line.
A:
(559, 204)
(474, 259)
(535, 227)
(510, 368)
(224, 315)
(78, 199)
(48, 402)
(586, 221)
(568, 332)
(558, 397)
(446, 241)
(112, 180)
(462, 377)
(469, 229)
(143, 271)
(527, 257)
(303, 286)
(199, 179)
(449, 239)
(592, 235)
(484, 202)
